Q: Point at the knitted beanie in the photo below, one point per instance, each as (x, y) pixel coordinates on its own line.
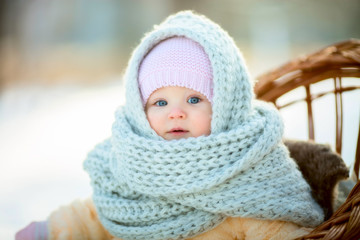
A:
(177, 61)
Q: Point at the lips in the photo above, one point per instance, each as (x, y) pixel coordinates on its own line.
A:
(178, 131)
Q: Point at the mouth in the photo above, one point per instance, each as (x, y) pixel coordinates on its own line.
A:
(178, 131)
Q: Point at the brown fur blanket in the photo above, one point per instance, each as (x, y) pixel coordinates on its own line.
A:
(322, 168)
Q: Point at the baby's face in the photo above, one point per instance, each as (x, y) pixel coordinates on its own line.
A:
(179, 112)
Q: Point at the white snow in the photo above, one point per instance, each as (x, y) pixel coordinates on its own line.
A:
(45, 134)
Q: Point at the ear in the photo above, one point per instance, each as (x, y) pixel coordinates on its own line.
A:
(322, 169)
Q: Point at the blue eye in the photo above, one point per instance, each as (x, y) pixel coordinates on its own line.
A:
(161, 103)
(193, 100)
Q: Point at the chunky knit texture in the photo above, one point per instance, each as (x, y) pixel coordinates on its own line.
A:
(176, 61)
(149, 188)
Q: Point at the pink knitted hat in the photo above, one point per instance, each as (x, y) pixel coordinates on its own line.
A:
(176, 61)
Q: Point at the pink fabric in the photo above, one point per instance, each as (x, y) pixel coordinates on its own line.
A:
(176, 61)
(33, 231)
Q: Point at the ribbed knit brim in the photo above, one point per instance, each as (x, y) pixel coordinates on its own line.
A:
(176, 61)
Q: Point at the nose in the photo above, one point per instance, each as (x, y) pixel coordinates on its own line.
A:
(177, 113)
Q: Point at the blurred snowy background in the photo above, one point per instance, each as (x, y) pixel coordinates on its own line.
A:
(61, 64)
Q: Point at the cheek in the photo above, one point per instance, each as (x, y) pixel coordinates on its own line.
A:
(155, 120)
(203, 124)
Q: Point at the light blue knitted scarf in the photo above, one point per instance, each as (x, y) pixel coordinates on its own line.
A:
(149, 188)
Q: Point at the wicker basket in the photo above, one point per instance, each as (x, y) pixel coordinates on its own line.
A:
(333, 62)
